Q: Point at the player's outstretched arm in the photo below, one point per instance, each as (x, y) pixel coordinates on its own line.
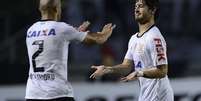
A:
(155, 72)
(121, 69)
(99, 37)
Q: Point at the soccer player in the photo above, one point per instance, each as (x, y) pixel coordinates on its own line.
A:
(147, 55)
(47, 44)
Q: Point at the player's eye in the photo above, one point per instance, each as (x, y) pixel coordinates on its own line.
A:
(136, 6)
(139, 5)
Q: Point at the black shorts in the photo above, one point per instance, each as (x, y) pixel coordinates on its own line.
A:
(57, 99)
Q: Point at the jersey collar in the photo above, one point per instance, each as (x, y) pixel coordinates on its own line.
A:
(145, 31)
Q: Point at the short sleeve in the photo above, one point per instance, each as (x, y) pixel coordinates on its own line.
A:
(128, 53)
(158, 50)
(71, 34)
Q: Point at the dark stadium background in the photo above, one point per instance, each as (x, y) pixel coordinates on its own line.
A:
(179, 22)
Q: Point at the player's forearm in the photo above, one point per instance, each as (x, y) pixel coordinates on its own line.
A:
(157, 72)
(120, 69)
(95, 38)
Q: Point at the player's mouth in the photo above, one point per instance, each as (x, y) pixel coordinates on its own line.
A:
(137, 13)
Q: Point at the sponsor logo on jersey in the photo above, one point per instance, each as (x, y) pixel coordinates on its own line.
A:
(159, 49)
(45, 32)
(139, 48)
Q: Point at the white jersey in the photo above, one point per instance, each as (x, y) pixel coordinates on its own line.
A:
(148, 51)
(47, 44)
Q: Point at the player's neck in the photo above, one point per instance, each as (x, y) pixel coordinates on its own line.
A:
(48, 16)
(144, 27)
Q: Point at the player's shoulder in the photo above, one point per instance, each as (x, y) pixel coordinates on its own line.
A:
(33, 26)
(132, 38)
(60, 24)
(65, 25)
(154, 31)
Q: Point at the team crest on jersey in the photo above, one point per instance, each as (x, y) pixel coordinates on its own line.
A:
(39, 33)
(139, 48)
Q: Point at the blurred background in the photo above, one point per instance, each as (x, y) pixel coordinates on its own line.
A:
(179, 22)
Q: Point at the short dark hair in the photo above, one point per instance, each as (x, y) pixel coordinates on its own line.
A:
(153, 4)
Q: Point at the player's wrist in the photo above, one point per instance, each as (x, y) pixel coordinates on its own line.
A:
(139, 73)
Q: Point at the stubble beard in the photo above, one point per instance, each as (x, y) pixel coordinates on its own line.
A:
(142, 19)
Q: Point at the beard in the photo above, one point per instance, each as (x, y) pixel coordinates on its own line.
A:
(142, 19)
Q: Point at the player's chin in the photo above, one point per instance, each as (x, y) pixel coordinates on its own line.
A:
(140, 20)
(137, 19)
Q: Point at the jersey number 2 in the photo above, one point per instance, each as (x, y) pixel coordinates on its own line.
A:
(40, 43)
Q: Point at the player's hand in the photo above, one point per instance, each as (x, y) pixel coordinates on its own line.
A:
(99, 71)
(107, 30)
(84, 26)
(132, 76)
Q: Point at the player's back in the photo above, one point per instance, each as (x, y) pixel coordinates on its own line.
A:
(47, 45)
